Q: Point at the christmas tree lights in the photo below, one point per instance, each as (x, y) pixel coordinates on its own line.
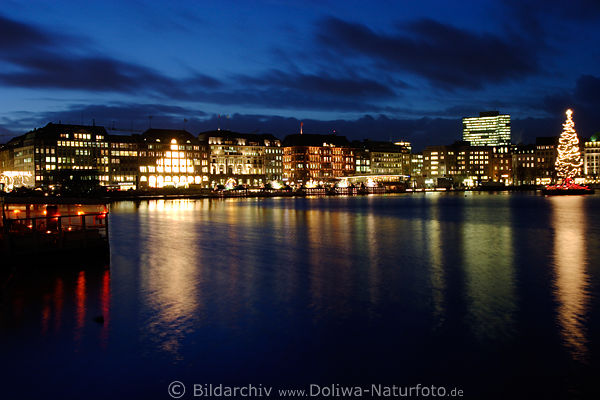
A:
(568, 162)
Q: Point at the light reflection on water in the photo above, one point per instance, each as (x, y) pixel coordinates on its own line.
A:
(489, 270)
(169, 276)
(570, 263)
(391, 288)
(438, 284)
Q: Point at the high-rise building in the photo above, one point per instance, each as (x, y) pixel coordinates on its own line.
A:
(489, 129)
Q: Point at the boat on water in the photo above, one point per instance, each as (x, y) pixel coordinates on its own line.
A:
(568, 187)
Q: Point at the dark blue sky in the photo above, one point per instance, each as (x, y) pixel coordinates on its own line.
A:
(381, 70)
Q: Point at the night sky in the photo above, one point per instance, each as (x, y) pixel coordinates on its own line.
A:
(381, 70)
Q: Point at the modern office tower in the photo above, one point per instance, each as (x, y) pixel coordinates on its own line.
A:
(246, 159)
(317, 158)
(489, 129)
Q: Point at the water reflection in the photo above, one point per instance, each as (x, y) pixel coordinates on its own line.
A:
(169, 273)
(437, 274)
(439, 286)
(571, 278)
(489, 269)
(80, 296)
(54, 301)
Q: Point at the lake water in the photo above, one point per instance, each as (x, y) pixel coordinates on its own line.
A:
(495, 294)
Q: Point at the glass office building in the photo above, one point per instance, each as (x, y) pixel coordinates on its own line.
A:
(489, 129)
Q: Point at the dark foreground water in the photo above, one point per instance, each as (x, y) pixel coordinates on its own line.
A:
(496, 294)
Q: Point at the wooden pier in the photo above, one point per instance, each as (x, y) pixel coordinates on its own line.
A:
(31, 231)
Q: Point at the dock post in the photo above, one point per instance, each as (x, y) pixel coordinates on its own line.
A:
(60, 233)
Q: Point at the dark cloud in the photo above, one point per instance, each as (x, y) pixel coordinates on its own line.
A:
(446, 56)
(421, 132)
(81, 73)
(132, 117)
(587, 90)
(584, 99)
(15, 35)
(44, 59)
(323, 83)
(530, 13)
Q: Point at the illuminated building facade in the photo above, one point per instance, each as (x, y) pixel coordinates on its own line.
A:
(362, 159)
(317, 158)
(172, 158)
(245, 159)
(462, 165)
(545, 158)
(416, 171)
(489, 129)
(35, 159)
(382, 158)
(443, 162)
(122, 168)
(591, 159)
(501, 169)
(524, 165)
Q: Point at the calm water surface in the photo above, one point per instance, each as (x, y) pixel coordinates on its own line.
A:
(496, 294)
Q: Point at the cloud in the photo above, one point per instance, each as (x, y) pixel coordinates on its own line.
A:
(587, 90)
(584, 99)
(45, 59)
(420, 132)
(322, 83)
(134, 117)
(446, 56)
(15, 35)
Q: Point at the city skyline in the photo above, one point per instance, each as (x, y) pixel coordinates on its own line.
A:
(380, 72)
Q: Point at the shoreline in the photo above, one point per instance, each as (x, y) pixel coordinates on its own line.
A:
(247, 193)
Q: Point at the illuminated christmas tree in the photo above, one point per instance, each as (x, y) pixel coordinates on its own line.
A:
(568, 162)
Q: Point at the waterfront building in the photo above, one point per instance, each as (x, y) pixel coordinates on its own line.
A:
(317, 158)
(524, 165)
(440, 164)
(246, 159)
(122, 167)
(35, 158)
(591, 159)
(172, 158)
(501, 169)
(416, 170)
(362, 159)
(478, 165)
(462, 165)
(489, 129)
(545, 158)
(382, 158)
